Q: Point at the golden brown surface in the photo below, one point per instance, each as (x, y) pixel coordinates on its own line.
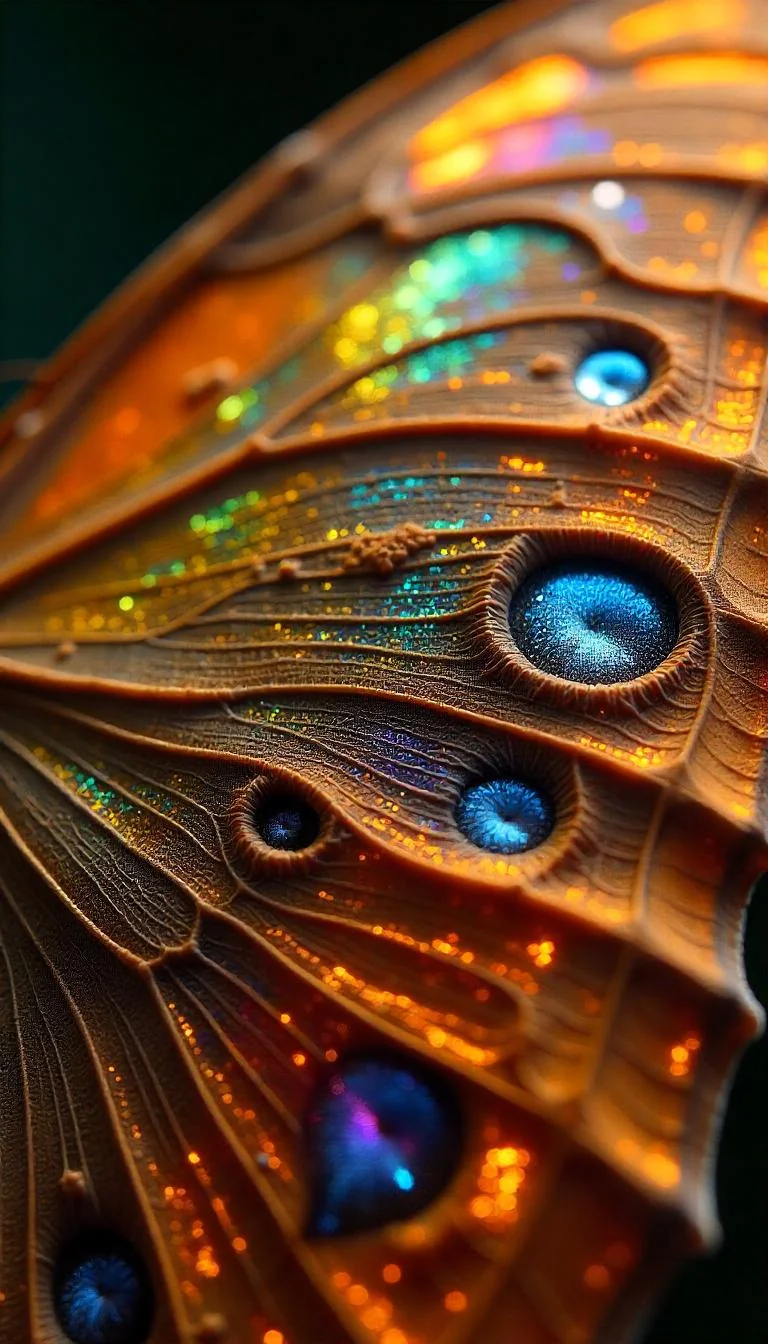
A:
(266, 519)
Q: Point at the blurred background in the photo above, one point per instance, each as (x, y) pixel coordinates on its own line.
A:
(121, 119)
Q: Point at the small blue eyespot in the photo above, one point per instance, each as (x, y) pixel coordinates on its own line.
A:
(286, 823)
(592, 622)
(505, 816)
(383, 1140)
(103, 1294)
(612, 377)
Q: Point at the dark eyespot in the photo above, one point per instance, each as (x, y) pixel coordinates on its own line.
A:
(286, 822)
(612, 377)
(103, 1294)
(592, 622)
(505, 816)
(384, 1139)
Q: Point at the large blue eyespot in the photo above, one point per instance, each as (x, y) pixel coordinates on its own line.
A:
(103, 1294)
(505, 816)
(612, 377)
(384, 1140)
(592, 622)
(284, 822)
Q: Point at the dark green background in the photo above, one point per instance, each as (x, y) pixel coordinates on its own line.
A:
(121, 119)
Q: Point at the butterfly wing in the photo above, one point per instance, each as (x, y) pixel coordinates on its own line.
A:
(372, 957)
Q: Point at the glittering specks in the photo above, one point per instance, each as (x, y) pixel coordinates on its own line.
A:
(443, 362)
(449, 281)
(460, 277)
(503, 1172)
(508, 877)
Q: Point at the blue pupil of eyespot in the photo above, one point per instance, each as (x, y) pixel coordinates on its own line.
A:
(505, 816)
(612, 377)
(383, 1142)
(593, 623)
(102, 1300)
(287, 823)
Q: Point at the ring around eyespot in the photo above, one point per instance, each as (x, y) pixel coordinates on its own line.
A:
(102, 1292)
(593, 622)
(280, 824)
(505, 816)
(286, 821)
(384, 1138)
(612, 377)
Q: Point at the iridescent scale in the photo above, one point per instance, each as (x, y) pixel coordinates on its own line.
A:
(383, 635)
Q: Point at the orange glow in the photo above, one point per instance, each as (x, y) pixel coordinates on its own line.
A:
(536, 89)
(274, 1337)
(673, 18)
(695, 221)
(502, 1174)
(138, 409)
(757, 254)
(126, 421)
(457, 165)
(597, 1276)
(663, 1170)
(206, 1264)
(391, 1273)
(542, 953)
(720, 68)
(680, 1056)
(749, 158)
(455, 1301)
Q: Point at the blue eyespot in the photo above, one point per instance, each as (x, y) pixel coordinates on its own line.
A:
(505, 816)
(286, 823)
(384, 1140)
(612, 377)
(103, 1294)
(593, 622)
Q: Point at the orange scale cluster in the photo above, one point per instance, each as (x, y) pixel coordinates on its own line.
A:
(643, 757)
(502, 1174)
(434, 1026)
(680, 271)
(187, 1235)
(682, 1056)
(375, 1309)
(530, 466)
(542, 954)
(220, 1084)
(517, 975)
(623, 522)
